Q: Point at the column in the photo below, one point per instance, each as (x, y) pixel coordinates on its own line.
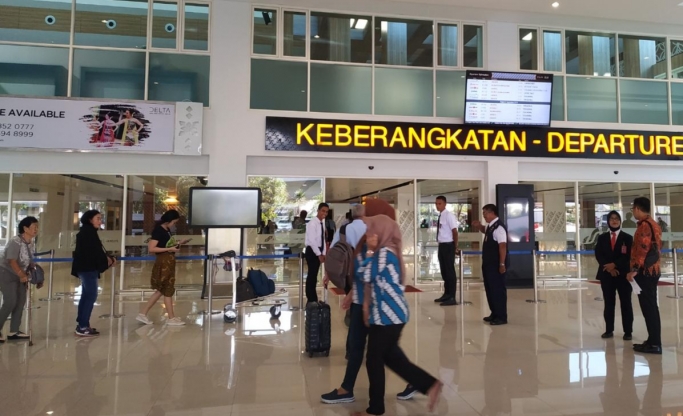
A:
(554, 221)
(405, 216)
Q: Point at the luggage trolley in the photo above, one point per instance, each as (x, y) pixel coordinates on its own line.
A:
(230, 310)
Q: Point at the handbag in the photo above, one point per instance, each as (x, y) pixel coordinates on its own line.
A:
(35, 273)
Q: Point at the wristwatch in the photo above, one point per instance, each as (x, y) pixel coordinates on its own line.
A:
(502, 264)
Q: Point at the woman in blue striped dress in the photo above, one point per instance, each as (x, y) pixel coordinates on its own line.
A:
(385, 311)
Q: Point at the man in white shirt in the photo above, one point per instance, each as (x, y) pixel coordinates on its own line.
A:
(447, 237)
(316, 249)
(494, 265)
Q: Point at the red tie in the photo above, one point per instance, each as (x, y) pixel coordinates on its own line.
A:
(614, 240)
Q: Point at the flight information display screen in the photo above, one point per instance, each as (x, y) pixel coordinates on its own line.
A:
(508, 98)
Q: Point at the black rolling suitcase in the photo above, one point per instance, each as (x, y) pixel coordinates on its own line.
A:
(318, 332)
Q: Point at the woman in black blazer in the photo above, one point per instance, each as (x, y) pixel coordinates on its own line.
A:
(89, 260)
(613, 252)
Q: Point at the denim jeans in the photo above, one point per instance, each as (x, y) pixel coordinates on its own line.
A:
(88, 297)
(358, 334)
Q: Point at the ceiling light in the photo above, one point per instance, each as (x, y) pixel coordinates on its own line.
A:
(529, 36)
(556, 5)
(361, 24)
(104, 21)
(317, 36)
(171, 200)
(353, 22)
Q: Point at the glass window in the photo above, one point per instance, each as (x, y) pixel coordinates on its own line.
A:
(668, 212)
(644, 102)
(557, 108)
(642, 57)
(677, 104)
(450, 93)
(676, 59)
(164, 24)
(552, 51)
(473, 46)
(341, 88)
(528, 49)
(174, 77)
(448, 44)
(590, 54)
(196, 25)
(413, 98)
(295, 34)
(58, 201)
(108, 74)
(115, 23)
(287, 91)
(404, 42)
(555, 228)
(463, 202)
(5, 216)
(341, 38)
(288, 204)
(35, 21)
(591, 99)
(265, 32)
(34, 70)
(148, 198)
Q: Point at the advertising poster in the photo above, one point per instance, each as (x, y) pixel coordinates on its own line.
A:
(86, 125)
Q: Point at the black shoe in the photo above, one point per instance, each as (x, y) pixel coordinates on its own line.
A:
(18, 336)
(499, 322)
(628, 337)
(407, 394)
(488, 318)
(651, 349)
(639, 347)
(334, 397)
(441, 299)
(607, 335)
(2, 339)
(449, 302)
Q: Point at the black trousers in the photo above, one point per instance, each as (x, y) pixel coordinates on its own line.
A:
(610, 287)
(648, 304)
(447, 265)
(496, 291)
(313, 263)
(383, 350)
(355, 346)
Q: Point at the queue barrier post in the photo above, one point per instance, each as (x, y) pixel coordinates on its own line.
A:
(675, 265)
(49, 297)
(301, 285)
(112, 313)
(535, 278)
(461, 269)
(212, 276)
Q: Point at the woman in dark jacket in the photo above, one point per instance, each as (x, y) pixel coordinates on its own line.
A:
(89, 260)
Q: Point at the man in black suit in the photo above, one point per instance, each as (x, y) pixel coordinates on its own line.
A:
(613, 252)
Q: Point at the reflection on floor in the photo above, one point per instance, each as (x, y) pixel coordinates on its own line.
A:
(550, 360)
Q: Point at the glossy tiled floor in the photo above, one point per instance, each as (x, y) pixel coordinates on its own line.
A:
(550, 360)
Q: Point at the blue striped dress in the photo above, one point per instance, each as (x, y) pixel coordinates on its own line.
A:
(389, 305)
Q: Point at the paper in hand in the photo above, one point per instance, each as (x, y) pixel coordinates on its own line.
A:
(636, 288)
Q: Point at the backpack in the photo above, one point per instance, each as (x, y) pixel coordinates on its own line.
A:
(339, 261)
(260, 282)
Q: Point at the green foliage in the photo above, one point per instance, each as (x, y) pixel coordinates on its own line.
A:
(273, 195)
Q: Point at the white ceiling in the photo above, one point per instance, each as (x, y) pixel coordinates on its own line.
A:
(655, 11)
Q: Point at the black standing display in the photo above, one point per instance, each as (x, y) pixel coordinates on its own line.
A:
(516, 210)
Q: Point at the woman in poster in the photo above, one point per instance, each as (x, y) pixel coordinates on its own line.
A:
(128, 123)
(107, 131)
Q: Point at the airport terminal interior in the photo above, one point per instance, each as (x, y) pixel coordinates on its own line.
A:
(167, 97)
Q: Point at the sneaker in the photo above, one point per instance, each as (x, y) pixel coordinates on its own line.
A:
(17, 336)
(86, 332)
(175, 322)
(144, 319)
(407, 394)
(334, 397)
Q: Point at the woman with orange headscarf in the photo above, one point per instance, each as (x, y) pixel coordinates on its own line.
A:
(385, 311)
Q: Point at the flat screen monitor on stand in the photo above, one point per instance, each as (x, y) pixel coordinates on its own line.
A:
(218, 207)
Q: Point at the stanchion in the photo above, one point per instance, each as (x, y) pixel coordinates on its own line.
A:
(29, 329)
(676, 295)
(49, 297)
(535, 299)
(212, 276)
(461, 268)
(111, 313)
(301, 285)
